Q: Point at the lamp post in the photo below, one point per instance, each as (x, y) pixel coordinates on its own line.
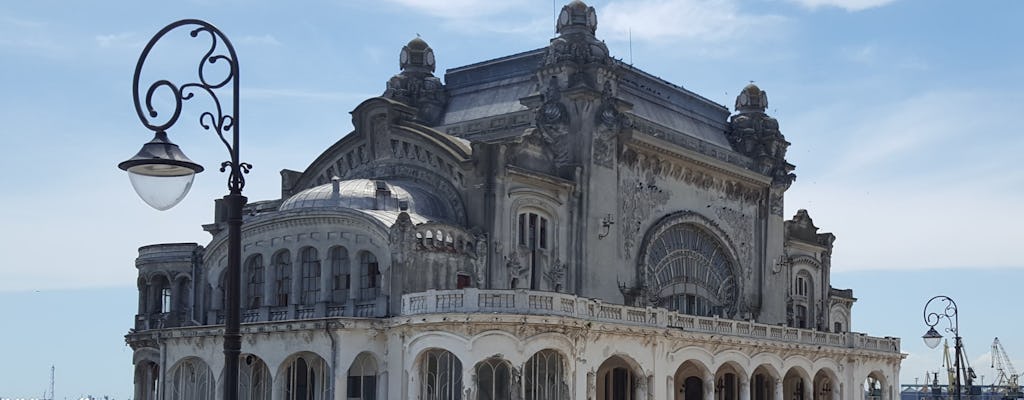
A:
(933, 337)
(162, 175)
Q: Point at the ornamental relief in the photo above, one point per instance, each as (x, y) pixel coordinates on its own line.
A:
(741, 226)
(640, 200)
(691, 174)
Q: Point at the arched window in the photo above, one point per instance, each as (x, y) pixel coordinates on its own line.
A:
(440, 376)
(369, 276)
(800, 288)
(339, 274)
(362, 378)
(689, 268)
(310, 276)
(253, 379)
(494, 380)
(544, 377)
(305, 379)
(533, 230)
(165, 300)
(282, 277)
(254, 277)
(191, 379)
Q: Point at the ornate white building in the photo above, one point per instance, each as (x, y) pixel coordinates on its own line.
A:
(549, 225)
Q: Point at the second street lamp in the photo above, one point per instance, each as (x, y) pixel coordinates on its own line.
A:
(932, 337)
(162, 175)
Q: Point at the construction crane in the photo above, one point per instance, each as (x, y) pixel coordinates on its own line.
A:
(1006, 378)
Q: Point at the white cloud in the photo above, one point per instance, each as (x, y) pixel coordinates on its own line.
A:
(505, 17)
(459, 9)
(848, 5)
(699, 20)
(268, 40)
(114, 39)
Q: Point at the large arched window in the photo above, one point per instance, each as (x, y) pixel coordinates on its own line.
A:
(440, 376)
(369, 276)
(310, 292)
(494, 380)
(544, 377)
(305, 378)
(282, 277)
(362, 378)
(689, 268)
(339, 274)
(191, 379)
(254, 277)
(253, 379)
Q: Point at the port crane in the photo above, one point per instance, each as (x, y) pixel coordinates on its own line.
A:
(1006, 378)
(951, 364)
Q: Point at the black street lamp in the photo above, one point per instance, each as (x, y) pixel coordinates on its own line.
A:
(162, 175)
(933, 337)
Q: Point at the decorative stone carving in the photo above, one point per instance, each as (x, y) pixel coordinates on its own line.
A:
(556, 275)
(609, 122)
(802, 228)
(756, 135)
(576, 42)
(480, 259)
(644, 161)
(517, 272)
(416, 85)
(553, 125)
(402, 237)
(639, 200)
(741, 226)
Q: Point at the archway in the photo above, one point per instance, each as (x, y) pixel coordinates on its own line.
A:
(689, 381)
(617, 380)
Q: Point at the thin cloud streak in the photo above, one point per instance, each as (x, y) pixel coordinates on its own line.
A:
(848, 5)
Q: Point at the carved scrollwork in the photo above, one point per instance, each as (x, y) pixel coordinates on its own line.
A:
(639, 200)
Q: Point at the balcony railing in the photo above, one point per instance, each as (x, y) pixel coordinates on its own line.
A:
(471, 300)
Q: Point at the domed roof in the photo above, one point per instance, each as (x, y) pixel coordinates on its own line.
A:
(416, 56)
(374, 196)
(752, 99)
(417, 44)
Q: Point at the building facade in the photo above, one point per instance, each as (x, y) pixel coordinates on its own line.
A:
(553, 224)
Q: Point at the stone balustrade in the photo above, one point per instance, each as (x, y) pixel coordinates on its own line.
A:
(472, 300)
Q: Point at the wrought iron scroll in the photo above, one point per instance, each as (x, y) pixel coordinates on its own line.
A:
(217, 120)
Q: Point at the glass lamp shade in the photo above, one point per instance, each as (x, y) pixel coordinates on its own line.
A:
(161, 186)
(932, 338)
(160, 173)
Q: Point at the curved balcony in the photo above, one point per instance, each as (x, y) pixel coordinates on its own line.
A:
(472, 300)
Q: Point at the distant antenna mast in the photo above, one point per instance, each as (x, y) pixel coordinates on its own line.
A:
(554, 16)
(630, 46)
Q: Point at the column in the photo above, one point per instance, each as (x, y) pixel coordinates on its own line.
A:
(744, 383)
(326, 277)
(353, 283)
(778, 390)
(294, 294)
(709, 387)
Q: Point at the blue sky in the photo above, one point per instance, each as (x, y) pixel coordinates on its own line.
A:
(899, 113)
